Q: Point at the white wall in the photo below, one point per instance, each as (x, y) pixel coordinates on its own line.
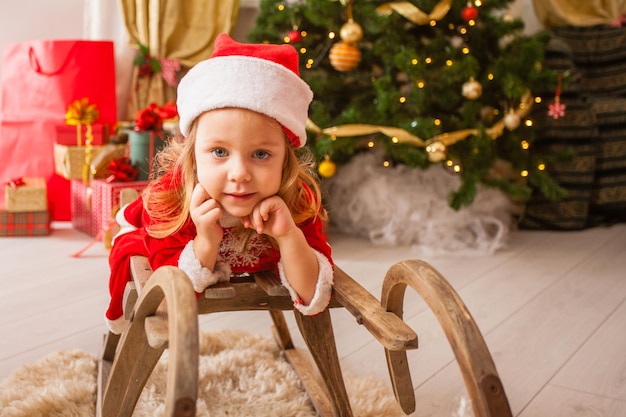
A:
(22, 20)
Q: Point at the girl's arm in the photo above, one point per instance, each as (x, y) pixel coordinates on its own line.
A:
(305, 265)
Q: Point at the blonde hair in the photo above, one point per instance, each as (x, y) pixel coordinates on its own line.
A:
(167, 199)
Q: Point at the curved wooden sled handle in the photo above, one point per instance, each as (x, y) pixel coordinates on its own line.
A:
(142, 344)
(479, 372)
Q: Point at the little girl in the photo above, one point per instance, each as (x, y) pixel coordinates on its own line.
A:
(230, 195)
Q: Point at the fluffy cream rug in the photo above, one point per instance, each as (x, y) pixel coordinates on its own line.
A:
(241, 375)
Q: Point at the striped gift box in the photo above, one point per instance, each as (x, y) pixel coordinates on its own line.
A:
(83, 214)
(24, 223)
(106, 198)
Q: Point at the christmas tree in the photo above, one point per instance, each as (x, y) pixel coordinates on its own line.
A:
(427, 81)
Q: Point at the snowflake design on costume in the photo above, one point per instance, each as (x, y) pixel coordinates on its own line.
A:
(231, 251)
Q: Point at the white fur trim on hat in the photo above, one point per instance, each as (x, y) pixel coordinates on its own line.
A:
(245, 82)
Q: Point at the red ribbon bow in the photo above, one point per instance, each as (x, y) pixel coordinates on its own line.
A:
(16, 182)
(121, 170)
(151, 117)
(148, 118)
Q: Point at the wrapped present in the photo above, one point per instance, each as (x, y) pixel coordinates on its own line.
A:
(84, 217)
(101, 163)
(69, 161)
(106, 198)
(24, 223)
(68, 135)
(26, 194)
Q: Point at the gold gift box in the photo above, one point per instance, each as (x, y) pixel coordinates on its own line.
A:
(69, 160)
(31, 196)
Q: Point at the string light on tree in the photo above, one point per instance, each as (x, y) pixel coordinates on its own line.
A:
(394, 86)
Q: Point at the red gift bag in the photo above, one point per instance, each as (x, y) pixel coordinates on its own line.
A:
(39, 80)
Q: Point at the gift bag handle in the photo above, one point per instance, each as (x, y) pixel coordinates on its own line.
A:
(36, 66)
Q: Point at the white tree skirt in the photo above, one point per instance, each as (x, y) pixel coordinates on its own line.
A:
(408, 206)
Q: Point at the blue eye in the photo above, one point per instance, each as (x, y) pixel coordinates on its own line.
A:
(261, 154)
(219, 152)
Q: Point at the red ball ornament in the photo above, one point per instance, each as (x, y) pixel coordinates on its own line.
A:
(469, 12)
(294, 36)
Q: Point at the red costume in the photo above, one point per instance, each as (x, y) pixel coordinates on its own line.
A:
(259, 255)
(263, 78)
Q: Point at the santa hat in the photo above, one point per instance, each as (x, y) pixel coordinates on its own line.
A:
(259, 77)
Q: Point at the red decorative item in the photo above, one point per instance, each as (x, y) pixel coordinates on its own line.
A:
(556, 109)
(147, 64)
(169, 68)
(16, 182)
(168, 111)
(121, 170)
(148, 119)
(294, 36)
(106, 198)
(469, 12)
(84, 216)
(39, 79)
(92, 207)
(66, 135)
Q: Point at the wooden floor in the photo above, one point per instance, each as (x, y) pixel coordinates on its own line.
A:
(551, 307)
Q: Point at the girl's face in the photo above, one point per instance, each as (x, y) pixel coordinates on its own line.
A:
(239, 157)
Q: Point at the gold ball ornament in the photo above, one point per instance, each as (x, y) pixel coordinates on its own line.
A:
(351, 31)
(512, 121)
(436, 152)
(472, 89)
(344, 56)
(327, 168)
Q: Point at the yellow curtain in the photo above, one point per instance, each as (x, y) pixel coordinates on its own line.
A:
(554, 13)
(173, 29)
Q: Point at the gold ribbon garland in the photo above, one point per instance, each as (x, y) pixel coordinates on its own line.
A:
(413, 13)
(402, 136)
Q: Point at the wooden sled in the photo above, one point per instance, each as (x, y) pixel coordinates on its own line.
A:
(163, 313)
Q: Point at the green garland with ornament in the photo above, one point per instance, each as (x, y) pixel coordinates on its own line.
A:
(426, 82)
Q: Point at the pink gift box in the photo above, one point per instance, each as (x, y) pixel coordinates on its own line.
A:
(93, 206)
(81, 203)
(66, 135)
(107, 198)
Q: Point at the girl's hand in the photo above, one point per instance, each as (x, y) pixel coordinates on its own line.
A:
(272, 217)
(206, 213)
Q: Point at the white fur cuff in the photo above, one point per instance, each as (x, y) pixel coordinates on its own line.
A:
(323, 288)
(117, 326)
(125, 226)
(200, 276)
